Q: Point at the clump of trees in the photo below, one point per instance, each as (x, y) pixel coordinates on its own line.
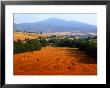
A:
(88, 45)
(43, 42)
(28, 46)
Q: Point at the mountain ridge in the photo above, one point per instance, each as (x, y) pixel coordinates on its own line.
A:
(55, 25)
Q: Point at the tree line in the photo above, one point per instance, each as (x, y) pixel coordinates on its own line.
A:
(88, 45)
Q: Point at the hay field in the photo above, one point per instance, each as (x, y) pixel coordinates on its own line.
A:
(22, 35)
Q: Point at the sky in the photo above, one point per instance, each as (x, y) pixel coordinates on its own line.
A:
(90, 18)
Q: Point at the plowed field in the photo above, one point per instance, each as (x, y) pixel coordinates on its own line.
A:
(54, 61)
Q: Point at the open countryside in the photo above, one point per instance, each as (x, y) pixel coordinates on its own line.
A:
(55, 44)
(51, 59)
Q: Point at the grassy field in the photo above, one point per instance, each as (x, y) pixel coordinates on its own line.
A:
(54, 61)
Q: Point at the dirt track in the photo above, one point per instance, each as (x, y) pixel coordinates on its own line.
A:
(54, 61)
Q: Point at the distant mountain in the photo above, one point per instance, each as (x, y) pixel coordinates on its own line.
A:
(55, 25)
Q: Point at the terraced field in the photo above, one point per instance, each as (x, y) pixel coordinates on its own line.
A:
(54, 61)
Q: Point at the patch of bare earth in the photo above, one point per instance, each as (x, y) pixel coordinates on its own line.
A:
(54, 61)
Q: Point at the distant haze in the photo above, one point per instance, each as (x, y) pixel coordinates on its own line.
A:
(31, 18)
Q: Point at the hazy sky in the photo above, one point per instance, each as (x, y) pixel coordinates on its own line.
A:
(30, 18)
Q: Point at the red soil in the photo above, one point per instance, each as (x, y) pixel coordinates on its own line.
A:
(54, 61)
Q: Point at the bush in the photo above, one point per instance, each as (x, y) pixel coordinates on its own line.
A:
(43, 42)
